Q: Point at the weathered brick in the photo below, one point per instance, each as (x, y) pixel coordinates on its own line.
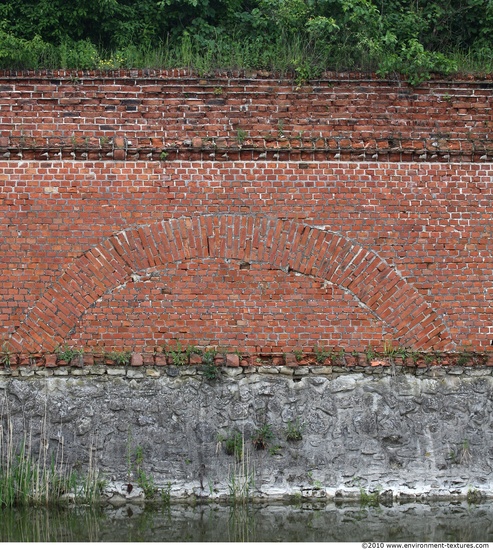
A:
(136, 360)
(242, 249)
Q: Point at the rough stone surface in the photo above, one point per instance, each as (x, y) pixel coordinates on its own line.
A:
(403, 434)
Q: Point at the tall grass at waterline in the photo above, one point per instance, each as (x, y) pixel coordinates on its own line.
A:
(241, 478)
(30, 478)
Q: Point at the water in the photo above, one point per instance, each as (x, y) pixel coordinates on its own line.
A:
(437, 522)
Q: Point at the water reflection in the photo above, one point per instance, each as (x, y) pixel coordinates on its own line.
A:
(436, 522)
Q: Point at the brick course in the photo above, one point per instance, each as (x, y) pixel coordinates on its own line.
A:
(343, 214)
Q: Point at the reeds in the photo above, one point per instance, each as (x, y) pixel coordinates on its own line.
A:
(241, 478)
(29, 477)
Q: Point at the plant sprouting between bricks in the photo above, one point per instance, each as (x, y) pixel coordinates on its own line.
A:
(121, 358)
(211, 370)
(298, 354)
(67, 353)
(5, 356)
(321, 354)
(179, 355)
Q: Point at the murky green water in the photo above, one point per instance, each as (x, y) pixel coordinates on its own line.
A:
(330, 523)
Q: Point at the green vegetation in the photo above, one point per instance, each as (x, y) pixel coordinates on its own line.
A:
(211, 370)
(294, 430)
(166, 494)
(474, 496)
(28, 477)
(464, 358)
(369, 499)
(241, 135)
(241, 480)
(67, 353)
(304, 37)
(461, 454)
(370, 353)
(121, 358)
(262, 437)
(179, 355)
(5, 356)
(321, 354)
(233, 444)
(275, 450)
(298, 354)
(241, 474)
(136, 470)
(145, 480)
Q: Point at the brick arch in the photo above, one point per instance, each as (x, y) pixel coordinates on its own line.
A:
(287, 245)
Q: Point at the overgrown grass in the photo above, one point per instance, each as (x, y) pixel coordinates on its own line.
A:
(293, 54)
(474, 62)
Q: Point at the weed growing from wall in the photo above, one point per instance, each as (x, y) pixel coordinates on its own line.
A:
(294, 430)
(241, 136)
(67, 353)
(179, 355)
(145, 480)
(121, 358)
(262, 437)
(321, 354)
(136, 470)
(233, 444)
(211, 370)
(5, 356)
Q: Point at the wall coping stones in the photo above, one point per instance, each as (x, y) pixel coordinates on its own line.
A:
(336, 360)
(478, 365)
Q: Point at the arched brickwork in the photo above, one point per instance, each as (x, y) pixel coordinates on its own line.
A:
(286, 245)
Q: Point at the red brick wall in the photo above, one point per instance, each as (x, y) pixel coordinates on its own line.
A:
(342, 214)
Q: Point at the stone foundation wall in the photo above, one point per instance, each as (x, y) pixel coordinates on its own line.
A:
(395, 434)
